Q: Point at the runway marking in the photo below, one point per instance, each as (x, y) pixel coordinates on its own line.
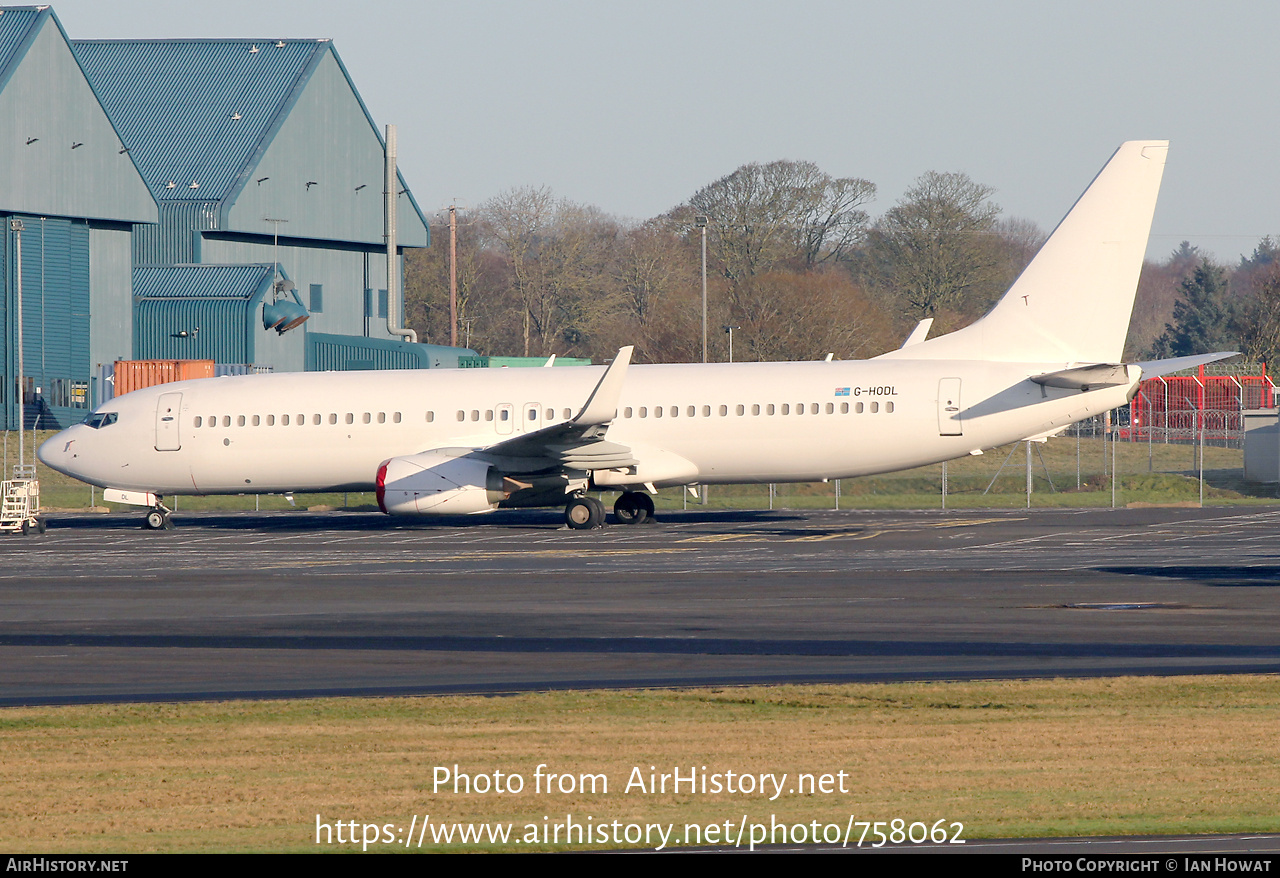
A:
(717, 538)
(966, 522)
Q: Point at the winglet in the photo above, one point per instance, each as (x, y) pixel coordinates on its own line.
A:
(919, 334)
(602, 405)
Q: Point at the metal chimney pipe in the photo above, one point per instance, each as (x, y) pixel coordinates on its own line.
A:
(390, 197)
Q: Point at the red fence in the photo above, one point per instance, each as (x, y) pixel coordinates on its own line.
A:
(1176, 408)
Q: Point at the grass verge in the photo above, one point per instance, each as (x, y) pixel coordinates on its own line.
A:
(1024, 758)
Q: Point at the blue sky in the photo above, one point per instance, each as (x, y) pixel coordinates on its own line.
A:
(634, 106)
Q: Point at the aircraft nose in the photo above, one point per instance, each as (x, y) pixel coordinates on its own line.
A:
(58, 451)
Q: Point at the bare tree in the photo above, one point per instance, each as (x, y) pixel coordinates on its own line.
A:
(936, 245)
(784, 212)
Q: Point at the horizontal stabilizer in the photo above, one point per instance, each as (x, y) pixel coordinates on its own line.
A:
(1086, 377)
(1156, 368)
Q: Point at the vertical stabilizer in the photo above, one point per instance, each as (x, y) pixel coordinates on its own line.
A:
(1073, 302)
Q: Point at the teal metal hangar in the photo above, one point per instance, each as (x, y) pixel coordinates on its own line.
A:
(177, 198)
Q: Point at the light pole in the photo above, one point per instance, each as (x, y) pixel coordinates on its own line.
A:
(730, 329)
(701, 222)
(17, 227)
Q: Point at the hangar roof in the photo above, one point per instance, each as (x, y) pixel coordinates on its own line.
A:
(209, 121)
(15, 23)
(196, 113)
(202, 281)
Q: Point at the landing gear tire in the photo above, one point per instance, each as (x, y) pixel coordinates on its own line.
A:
(584, 513)
(632, 507)
(157, 519)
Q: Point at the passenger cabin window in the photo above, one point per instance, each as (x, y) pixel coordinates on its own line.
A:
(93, 422)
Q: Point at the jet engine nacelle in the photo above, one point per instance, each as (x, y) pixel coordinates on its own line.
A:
(438, 482)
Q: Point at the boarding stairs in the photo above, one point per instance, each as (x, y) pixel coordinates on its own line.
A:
(20, 502)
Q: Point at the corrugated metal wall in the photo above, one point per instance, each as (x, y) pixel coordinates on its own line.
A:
(55, 320)
(341, 353)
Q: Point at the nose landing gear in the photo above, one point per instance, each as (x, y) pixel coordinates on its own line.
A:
(158, 518)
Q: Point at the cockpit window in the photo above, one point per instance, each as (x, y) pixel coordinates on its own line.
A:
(98, 420)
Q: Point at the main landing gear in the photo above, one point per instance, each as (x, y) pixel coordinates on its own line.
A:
(584, 512)
(633, 507)
(157, 518)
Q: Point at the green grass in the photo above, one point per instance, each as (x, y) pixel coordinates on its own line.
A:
(1021, 759)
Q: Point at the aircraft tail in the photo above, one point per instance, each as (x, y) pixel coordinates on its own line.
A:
(1072, 304)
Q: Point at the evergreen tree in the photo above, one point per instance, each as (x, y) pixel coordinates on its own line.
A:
(1201, 317)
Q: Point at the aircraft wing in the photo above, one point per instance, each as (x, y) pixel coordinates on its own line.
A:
(577, 444)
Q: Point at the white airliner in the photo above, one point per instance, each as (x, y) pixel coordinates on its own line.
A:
(466, 441)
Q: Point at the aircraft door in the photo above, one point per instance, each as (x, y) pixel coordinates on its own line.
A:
(531, 416)
(506, 414)
(949, 423)
(168, 421)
